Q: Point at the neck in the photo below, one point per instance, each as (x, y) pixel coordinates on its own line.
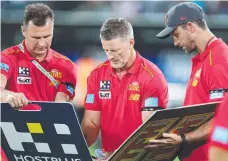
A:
(129, 63)
(204, 40)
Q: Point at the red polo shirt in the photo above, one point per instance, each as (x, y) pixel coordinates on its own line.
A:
(219, 135)
(23, 76)
(209, 76)
(121, 101)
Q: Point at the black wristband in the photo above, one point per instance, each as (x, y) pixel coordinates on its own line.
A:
(183, 138)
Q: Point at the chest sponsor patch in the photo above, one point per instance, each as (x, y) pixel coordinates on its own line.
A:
(4, 67)
(24, 80)
(151, 102)
(23, 71)
(220, 135)
(90, 98)
(105, 94)
(105, 85)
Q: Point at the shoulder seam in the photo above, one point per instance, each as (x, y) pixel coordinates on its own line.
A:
(62, 57)
(148, 71)
(12, 52)
(103, 64)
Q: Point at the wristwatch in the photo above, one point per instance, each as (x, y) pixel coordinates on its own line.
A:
(184, 141)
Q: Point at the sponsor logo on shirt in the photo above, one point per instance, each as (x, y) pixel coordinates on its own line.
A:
(151, 102)
(55, 73)
(4, 66)
(24, 80)
(195, 83)
(23, 71)
(220, 135)
(134, 86)
(104, 94)
(105, 85)
(90, 98)
(134, 97)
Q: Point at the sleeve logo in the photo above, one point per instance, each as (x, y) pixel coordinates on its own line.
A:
(151, 102)
(4, 67)
(90, 98)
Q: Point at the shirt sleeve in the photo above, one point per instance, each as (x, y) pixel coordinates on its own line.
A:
(92, 99)
(216, 81)
(219, 135)
(155, 93)
(7, 65)
(69, 80)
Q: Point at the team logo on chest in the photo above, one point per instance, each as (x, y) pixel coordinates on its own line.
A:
(196, 78)
(134, 90)
(105, 89)
(23, 71)
(55, 73)
(134, 86)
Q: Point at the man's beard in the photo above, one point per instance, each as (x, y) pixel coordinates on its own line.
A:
(192, 50)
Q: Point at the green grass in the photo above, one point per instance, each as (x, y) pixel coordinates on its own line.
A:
(176, 159)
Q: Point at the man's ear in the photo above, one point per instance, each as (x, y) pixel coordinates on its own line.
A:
(132, 43)
(23, 30)
(191, 27)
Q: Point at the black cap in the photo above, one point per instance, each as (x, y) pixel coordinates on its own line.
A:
(180, 14)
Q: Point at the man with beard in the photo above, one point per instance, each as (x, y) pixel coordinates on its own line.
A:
(209, 78)
(119, 88)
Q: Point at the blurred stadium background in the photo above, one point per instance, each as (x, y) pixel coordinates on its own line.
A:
(76, 35)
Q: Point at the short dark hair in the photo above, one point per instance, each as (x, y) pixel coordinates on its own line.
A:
(116, 27)
(38, 13)
(201, 23)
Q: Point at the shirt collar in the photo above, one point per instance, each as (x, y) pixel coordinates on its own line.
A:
(30, 57)
(133, 69)
(203, 55)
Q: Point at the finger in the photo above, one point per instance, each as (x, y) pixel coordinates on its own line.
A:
(154, 146)
(16, 102)
(20, 101)
(11, 103)
(166, 135)
(151, 146)
(23, 99)
(162, 141)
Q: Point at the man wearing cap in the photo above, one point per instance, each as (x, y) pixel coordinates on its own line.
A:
(209, 78)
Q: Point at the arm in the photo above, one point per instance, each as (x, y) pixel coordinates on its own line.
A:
(91, 126)
(62, 97)
(16, 100)
(146, 115)
(91, 120)
(218, 154)
(155, 94)
(212, 83)
(200, 133)
(66, 90)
